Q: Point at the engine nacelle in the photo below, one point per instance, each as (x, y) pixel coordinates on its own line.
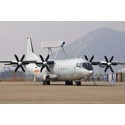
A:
(103, 64)
(39, 63)
(45, 77)
(50, 76)
(14, 63)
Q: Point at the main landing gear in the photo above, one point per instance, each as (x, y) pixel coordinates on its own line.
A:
(77, 83)
(46, 81)
(68, 82)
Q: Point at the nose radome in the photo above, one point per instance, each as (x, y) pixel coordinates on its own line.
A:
(88, 72)
(91, 72)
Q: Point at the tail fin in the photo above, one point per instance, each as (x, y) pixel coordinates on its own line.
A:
(30, 51)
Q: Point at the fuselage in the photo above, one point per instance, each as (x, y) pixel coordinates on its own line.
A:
(62, 70)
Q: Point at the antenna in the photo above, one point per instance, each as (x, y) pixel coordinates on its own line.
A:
(54, 44)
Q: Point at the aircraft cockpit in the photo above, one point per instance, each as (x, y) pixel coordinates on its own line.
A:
(86, 65)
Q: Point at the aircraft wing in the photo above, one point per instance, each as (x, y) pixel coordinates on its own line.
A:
(118, 63)
(105, 63)
(95, 62)
(5, 62)
(20, 63)
(15, 62)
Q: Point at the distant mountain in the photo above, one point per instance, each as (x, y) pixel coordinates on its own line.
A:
(99, 42)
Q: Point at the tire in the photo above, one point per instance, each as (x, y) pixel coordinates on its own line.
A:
(68, 82)
(77, 83)
(44, 83)
(47, 82)
(71, 82)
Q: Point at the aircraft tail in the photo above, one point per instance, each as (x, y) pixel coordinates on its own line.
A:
(30, 52)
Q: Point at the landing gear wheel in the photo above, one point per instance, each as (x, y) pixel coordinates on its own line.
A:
(68, 82)
(71, 82)
(46, 81)
(43, 82)
(78, 83)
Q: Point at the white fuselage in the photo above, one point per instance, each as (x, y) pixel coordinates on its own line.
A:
(62, 70)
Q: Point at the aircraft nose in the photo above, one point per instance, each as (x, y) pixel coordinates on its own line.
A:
(88, 73)
(91, 72)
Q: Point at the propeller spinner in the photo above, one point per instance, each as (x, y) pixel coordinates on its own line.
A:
(44, 63)
(109, 63)
(19, 63)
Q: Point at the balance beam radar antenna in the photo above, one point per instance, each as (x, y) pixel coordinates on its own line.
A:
(54, 44)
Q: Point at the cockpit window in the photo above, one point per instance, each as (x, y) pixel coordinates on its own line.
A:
(79, 65)
(87, 66)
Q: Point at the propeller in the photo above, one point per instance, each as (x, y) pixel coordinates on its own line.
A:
(19, 63)
(44, 63)
(109, 63)
(91, 59)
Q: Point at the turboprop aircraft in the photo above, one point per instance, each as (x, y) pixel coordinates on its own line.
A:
(67, 70)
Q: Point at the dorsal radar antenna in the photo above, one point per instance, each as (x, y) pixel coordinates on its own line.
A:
(54, 44)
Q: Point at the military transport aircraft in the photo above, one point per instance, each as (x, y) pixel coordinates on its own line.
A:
(67, 70)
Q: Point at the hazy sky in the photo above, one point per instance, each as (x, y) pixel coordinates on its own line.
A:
(13, 34)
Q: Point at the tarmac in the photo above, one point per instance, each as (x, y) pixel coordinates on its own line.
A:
(59, 93)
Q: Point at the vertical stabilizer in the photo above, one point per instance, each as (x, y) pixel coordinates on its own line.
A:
(30, 51)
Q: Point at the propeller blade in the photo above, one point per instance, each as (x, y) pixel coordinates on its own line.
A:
(45, 63)
(48, 68)
(86, 57)
(19, 63)
(106, 59)
(17, 68)
(111, 69)
(47, 58)
(16, 58)
(109, 63)
(41, 58)
(91, 58)
(111, 59)
(42, 68)
(22, 58)
(106, 68)
(22, 69)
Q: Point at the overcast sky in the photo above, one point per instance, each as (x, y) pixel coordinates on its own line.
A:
(13, 34)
